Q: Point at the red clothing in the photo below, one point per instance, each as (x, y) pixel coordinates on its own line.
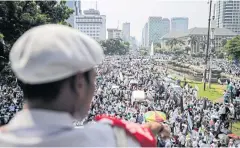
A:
(143, 135)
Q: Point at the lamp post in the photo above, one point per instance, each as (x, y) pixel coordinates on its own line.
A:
(208, 40)
(213, 26)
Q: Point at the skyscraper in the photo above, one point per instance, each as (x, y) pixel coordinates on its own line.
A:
(114, 33)
(165, 28)
(155, 29)
(126, 32)
(179, 24)
(228, 14)
(76, 6)
(92, 24)
(145, 35)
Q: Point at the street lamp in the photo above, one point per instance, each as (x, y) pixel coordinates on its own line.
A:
(213, 27)
(208, 39)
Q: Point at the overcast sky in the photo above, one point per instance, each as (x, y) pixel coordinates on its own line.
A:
(137, 12)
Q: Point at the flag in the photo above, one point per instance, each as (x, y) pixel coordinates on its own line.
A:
(190, 124)
(121, 76)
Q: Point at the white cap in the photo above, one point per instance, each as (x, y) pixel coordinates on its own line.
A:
(49, 53)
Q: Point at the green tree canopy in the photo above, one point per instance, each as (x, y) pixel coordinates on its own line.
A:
(1, 36)
(143, 51)
(192, 40)
(223, 42)
(233, 48)
(19, 16)
(114, 46)
(174, 42)
(158, 45)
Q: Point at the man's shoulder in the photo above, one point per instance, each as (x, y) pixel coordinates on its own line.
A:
(91, 136)
(98, 127)
(141, 135)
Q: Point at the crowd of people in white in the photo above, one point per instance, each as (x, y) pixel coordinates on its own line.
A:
(10, 94)
(194, 122)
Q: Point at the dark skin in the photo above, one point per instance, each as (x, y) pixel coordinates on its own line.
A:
(58, 105)
(76, 102)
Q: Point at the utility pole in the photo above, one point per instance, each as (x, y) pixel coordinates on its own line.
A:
(208, 39)
(213, 26)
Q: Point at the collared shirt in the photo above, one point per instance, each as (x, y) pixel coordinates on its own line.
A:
(45, 128)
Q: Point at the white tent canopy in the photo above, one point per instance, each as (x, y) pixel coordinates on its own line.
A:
(138, 96)
(133, 82)
(115, 87)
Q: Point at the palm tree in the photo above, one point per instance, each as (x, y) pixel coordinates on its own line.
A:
(192, 41)
(187, 49)
(158, 45)
(174, 42)
(203, 45)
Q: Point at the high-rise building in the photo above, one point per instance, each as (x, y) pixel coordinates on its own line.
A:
(165, 27)
(126, 32)
(114, 33)
(92, 24)
(179, 24)
(145, 35)
(133, 41)
(75, 5)
(228, 14)
(155, 29)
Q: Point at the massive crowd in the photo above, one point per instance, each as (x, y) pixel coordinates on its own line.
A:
(10, 94)
(194, 122)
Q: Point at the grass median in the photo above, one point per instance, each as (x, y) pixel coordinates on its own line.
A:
(236, 128)
(215, 94)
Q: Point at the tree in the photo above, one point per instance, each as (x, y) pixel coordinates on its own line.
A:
(157, 48)
(174, 42)
(203, 45)
(127, 44)
(158, 45)
(223, 42)
(233, 48)
(115, 46)
(192, 41)
(143, 51)
(19, 16)
(187, 49)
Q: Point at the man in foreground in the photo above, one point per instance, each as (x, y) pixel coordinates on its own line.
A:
(56, 66)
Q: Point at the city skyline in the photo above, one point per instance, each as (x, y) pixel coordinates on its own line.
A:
(137, 12)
